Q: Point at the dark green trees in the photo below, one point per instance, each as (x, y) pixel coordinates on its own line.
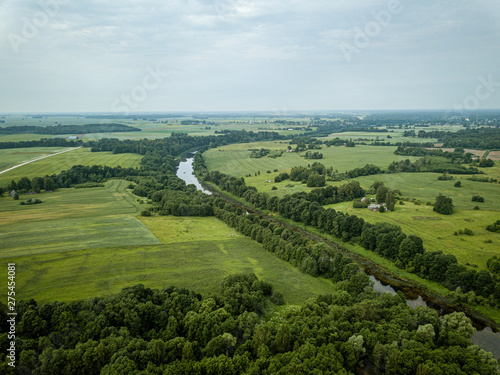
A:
(443, 205)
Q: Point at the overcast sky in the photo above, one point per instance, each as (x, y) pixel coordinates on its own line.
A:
(268, 55)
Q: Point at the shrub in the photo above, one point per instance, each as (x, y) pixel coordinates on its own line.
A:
(477, 198)
(443, 205)
(359, 204)
(458, 184)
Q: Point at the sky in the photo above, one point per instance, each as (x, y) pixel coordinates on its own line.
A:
(239, 55)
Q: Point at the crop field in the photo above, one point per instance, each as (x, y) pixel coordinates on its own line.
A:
(56, 164)
(235, 159)
(13, 156)
(72, 219)
(437, 231)
(196, 253)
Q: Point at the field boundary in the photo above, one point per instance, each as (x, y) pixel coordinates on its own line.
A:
(40, 158)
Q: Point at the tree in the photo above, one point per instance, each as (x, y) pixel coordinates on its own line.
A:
(48, 184)
(443, 205)
(381, 193)
(24, 184)
(390, 201)
(458, 184)
(37, 184)
(409, 247)
(12, 186)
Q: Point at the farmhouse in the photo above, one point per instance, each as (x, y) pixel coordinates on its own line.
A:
(376, 207)
(12, 193)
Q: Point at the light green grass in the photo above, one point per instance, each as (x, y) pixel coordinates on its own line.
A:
(14, 156)
(397, 136)
(56, 164)
(235, 159)
(437, 231)
(205, 252)
(426, 186)
(22, 137)
(72, 219)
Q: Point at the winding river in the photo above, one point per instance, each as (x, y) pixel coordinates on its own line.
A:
(484, 337)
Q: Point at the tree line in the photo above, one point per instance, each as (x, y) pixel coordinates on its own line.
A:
(385, 239)
(69, 129)
(179, 332)
(480, 138)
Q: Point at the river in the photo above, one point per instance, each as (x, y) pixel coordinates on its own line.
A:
(185, 172)
(484, 337)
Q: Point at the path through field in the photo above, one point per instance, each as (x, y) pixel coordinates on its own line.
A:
(40, 158)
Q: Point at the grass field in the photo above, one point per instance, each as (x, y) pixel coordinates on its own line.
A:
(13, 156)
(81, 243)
(72, 219)
(56, 164)
(195, 253)
(152, 128)
(426, 186)
(235, 159)
(437, 230)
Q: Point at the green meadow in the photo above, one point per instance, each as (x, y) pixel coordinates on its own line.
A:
(82, 243)
(57, 163)
(72, 219)
(426, 186)
(235, 159)
(13, 156)
(437, 231)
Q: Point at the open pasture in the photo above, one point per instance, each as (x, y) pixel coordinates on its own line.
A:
(192, 260)
(437, 231)
(426, 186)
(396, 136)
(13, 156)
(152, 128)
(235, 159)
(72, 219)
(56, 164)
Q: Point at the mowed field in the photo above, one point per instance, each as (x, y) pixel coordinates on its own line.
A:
(14, 156)
(57, 163)
(72, 219)
(82, 243)
(426, 186)
(196, 253)
(235, 159)
(437, 231)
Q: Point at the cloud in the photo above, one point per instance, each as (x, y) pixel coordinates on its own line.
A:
(245, 54)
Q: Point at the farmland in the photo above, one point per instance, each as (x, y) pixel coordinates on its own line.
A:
(235, 160)
(56, 164)
(92, 237)
(437, 231)
(72, 219)
(195, 253)
(14, 156)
